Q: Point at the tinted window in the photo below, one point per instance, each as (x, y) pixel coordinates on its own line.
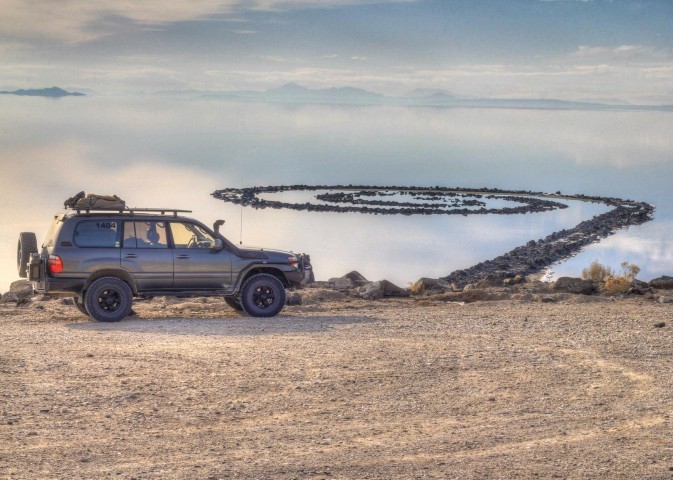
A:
(145, 235)
(97, 233)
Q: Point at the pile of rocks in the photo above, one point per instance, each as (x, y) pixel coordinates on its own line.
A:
(490, 288)
(20, 293)
(356, 284)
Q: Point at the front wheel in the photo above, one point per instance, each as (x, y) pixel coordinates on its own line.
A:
(108, 299)
(263, 295)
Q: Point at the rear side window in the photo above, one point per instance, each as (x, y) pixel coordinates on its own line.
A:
(97, 233)
(50, 239)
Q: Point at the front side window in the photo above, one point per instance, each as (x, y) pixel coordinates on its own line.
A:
(190, 235)
(97, 233)
(145, 235)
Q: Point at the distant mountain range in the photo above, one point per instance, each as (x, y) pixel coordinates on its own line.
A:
(53, 92)
(297, 94)
(293, 93)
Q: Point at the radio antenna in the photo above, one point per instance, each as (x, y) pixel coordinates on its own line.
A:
(240, 237)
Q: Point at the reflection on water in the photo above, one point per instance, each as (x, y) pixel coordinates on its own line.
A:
(173, 153)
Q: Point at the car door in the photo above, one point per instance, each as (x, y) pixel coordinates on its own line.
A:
(197, 264)
(146, 254)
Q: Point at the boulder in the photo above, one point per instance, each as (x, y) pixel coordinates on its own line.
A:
(357, 278)
(491, 280)
(431, 286)
(392, 290)
(9, 297)
(380, 289)
(22, 289)
(664, 299)
(293, 298)
(341, 283)
(20, 293)
(663, 283)
(373, 291)
(574, 285)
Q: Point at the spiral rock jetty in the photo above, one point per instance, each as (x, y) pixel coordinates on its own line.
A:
(527, 259)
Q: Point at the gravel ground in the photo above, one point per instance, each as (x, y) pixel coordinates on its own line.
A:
(403, 388)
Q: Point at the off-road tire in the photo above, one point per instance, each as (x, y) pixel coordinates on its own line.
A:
(262, 295)
(234, 303)
(27, 246)
(108, 299)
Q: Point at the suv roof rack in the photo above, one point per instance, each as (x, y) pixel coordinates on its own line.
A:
(163, 211)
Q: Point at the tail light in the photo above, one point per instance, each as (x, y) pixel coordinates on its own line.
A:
(54, 264)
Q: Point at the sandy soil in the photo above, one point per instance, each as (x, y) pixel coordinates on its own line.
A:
(404, 388)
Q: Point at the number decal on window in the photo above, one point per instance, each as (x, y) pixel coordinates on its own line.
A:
(112, 225)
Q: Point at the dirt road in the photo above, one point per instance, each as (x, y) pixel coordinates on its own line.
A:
(402, 388)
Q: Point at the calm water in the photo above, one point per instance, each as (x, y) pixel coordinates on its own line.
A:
(174, 152)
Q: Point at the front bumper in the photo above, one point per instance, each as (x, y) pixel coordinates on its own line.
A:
(304, 274)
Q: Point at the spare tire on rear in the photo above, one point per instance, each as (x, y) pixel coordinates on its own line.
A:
(27, 246)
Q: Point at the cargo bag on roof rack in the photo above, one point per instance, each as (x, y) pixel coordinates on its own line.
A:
(95, 202)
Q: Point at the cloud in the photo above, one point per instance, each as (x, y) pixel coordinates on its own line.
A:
(618, 53)
(79, 21)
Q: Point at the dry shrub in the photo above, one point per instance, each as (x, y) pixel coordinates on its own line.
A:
(597, 272)
(619, 284)
(630, 270)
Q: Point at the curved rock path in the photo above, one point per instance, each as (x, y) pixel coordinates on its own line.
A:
(527, 259)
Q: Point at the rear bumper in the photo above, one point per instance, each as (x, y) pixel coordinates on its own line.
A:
(37, 274)
(59, 285)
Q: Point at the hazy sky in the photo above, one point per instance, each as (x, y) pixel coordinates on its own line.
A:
(506, 48)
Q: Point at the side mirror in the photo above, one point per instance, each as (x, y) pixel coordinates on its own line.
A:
(219, 244)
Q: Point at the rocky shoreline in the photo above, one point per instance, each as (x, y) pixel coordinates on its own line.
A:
(491, 288)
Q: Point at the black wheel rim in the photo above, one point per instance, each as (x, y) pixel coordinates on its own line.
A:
(263, 296)
(109, 300)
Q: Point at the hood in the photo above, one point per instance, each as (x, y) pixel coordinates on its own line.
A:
(275, 256)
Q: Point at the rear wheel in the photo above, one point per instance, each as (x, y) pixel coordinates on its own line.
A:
(108, 299)
(27, 246)
(263, 295)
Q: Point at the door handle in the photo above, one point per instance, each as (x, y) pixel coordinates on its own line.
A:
(130, 255)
